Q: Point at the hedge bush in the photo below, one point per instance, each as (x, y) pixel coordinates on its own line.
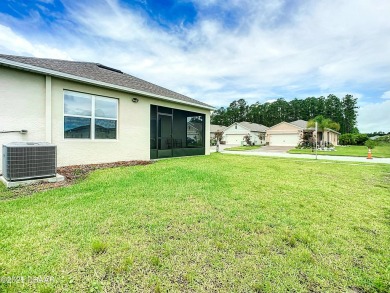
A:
(353, 139)
(370, 144)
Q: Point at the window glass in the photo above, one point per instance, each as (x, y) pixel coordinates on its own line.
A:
(79, 119)
(105, 129)
(77, 127)
(106, 107)
(195, 131)
(77, 104)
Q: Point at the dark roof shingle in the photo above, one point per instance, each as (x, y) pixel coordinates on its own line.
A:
(101, 73)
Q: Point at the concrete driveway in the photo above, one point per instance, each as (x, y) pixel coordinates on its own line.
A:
(275, 149)
(264, 149)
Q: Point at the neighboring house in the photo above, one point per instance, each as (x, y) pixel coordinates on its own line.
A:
(327, 136)
(234, 134)
(289, 134)
(97, 114)
(216, 128)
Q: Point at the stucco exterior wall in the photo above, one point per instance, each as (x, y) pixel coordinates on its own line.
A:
(22, 100)
(331, 137)
(22, 106)
(281, 128)
(232, 129)
(234, 134)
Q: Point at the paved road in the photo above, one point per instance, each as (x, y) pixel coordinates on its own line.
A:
(268, 151)
(322, 157)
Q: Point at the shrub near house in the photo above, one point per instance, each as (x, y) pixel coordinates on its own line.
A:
(353, 139)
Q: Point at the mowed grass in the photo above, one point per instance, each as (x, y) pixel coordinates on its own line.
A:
(205, 224)
(380, 151)
(243, 148)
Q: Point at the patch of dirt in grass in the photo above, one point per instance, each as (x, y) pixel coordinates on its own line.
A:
(75, 172)
(71, 174)
(311, 285)
(354, 289)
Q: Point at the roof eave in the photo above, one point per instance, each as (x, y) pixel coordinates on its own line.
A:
(328, 129)
(55, 73)
(332, 130)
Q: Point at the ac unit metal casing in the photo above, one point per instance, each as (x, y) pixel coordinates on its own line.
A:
(29, 160)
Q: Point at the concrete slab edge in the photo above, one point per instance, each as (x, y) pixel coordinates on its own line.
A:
(13, 184)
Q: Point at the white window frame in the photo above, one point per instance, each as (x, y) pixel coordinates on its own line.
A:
(93, 117)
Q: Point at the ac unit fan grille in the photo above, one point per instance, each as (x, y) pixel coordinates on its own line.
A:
(28, 162)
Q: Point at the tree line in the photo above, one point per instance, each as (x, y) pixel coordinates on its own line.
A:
(340, 110)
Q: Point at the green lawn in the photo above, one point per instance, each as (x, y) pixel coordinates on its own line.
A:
(204, 224)
(243, 148)
(381, 151)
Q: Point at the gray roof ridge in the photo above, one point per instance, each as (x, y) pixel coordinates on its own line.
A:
(49, 59)
(171, 94)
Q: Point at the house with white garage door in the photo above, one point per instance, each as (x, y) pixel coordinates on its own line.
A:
(289, 134)
(234, 134)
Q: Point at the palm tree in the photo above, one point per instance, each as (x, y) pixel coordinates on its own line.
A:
(323, 123)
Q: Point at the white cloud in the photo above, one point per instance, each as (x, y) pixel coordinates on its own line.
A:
(386, 95)
(10, 42)
(374, 117)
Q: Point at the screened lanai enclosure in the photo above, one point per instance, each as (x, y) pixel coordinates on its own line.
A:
(176, 133)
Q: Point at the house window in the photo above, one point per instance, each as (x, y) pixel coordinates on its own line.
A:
(90, 117)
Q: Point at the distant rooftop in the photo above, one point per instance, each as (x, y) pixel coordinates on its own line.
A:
(299, 123)
(215, 128)
(254, 126)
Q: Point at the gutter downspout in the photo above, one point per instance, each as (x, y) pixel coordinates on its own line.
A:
(48, 109)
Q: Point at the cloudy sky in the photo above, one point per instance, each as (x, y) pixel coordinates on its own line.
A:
(220, 50)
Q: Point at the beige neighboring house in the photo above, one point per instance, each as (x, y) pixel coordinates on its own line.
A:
(327, 136)
(216, 128)
(97, 114)
(234, 134)
(289, 134)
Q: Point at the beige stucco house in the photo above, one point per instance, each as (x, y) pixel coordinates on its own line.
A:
(290, 133)
(97, 114)
(234, 134)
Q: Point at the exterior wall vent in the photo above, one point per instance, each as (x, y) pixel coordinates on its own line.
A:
(29, 160)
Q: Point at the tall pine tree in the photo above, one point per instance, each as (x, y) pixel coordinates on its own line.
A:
(350, 114)
(344, 111)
